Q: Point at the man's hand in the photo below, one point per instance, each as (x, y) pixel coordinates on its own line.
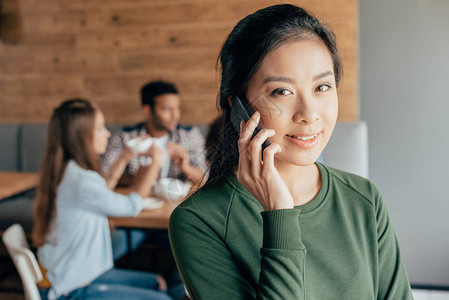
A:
(179, 155)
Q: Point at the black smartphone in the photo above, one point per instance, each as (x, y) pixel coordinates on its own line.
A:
(239, 112)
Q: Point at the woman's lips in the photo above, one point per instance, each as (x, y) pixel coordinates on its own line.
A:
(304, 140)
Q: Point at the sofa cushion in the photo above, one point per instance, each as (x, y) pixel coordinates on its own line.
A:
(9, 147)
(32, 145)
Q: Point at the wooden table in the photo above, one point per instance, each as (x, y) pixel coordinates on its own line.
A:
(147, 219)
(12, 183)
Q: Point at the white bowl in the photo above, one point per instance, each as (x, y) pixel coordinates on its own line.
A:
(140, 144)
(152, 203)
(171, 189)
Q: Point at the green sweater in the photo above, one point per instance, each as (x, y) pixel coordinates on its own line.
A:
(341, 245)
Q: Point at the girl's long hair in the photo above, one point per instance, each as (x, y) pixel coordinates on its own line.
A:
(241, 55)
(69, 137)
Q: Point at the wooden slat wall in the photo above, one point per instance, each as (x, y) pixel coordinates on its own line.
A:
(105, 50)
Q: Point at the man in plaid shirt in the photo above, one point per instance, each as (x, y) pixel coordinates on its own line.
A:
(183, 146)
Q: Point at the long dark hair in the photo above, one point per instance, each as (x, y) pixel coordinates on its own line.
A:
(241, 55)
(69, 137)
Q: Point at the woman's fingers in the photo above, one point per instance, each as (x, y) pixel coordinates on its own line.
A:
(247, 131)
(250, 149)
(245, 136)
(127, 153)
(255, 149)
(259, 177)
(268, 157)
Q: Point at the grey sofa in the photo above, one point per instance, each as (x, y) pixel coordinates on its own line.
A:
(22, 146)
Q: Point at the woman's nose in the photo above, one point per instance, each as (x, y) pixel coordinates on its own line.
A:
(306, 110)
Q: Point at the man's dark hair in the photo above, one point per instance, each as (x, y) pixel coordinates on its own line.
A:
(156, 88)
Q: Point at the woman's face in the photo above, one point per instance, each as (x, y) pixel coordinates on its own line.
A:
(101, 134)
(295, 92)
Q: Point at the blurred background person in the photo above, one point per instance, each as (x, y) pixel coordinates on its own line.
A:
(183, 145)
(72, 208)
(183, 158)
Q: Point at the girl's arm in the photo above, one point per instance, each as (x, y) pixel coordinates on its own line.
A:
(95, 195)
(115, 172)
(147, 175)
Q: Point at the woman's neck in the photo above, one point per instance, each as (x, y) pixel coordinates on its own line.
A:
(303, 182)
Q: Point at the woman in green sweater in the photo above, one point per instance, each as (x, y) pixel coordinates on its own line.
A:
(271, 223)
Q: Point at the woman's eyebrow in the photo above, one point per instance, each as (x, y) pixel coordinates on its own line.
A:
(291, 80)
(278, 78)
(322, 75)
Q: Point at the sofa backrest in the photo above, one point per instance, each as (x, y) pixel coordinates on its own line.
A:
(347, 149)
(32, 145)
(9, 147)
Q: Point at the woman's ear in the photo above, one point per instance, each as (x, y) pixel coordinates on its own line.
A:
(230, 101)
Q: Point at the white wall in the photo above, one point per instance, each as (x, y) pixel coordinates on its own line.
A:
(404, 92)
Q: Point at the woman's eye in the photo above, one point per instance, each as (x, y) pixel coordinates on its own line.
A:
(323, 88)
(281, 92)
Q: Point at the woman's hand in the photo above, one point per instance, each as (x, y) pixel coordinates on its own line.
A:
(155, 152)
(148, 174)
(127, 154)
(259, 177)
(115, 172)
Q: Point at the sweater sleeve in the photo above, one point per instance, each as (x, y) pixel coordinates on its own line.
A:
(392, 280)
(94, 195)
(209, 270)
(283, 256)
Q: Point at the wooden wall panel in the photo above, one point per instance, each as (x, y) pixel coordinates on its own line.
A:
(105, 50)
